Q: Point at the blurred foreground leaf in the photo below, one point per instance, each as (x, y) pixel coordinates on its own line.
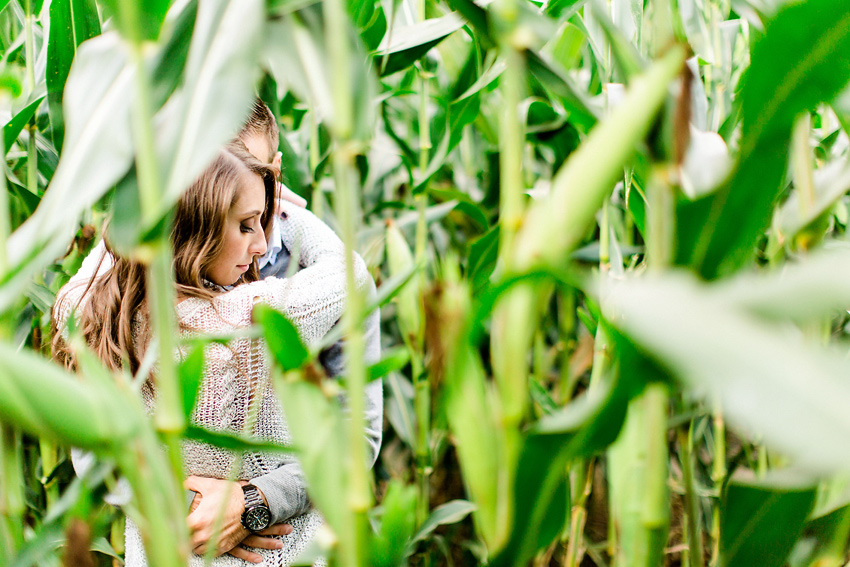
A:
(768, 382)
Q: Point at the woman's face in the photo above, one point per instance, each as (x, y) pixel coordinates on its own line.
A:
(243, 232)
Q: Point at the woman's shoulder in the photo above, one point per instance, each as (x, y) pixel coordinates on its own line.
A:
(233, 306)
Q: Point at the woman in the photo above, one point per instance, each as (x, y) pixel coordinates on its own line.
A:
(219, 231)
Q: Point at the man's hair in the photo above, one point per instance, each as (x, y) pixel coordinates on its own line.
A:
(261, 122)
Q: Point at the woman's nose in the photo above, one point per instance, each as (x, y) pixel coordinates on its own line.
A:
(258, 244)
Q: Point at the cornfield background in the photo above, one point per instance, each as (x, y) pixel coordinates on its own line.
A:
(609, 236)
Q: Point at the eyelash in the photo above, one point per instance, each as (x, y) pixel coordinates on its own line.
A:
(244, 228)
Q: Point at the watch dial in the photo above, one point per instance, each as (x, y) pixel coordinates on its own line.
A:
(257, 519)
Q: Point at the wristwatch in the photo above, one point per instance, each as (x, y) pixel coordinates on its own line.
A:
(257, 515)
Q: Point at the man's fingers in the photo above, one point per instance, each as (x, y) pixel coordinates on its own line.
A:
(242, 553)
(277, 529)
(262, 542)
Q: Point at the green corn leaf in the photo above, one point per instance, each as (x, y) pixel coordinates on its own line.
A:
(553, 226)
(483, 254)
(580, 110)
(392, 361)
(761, 520)
(217, 92)
(319, 437)
(477, 18)
(400, 412)
(234, 442)
(170, 63)
(191, 374)
(448, 513)
(563, 9)
(400, 260)
(810, 288)
(397, 525)
(282, 338)
(717, 235)
(580, 429)
(100, 416)
(13, 128)
(138, 21)
(407, 44)
(790, 394)
(626, 56)
(98, 153)
(71, 23)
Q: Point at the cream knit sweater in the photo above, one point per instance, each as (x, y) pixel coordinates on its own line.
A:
(237, 374)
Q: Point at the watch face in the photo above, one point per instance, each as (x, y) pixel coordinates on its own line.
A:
(256, 519)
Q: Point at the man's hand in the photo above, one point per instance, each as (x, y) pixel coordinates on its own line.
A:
(256, 540)
(215, 495)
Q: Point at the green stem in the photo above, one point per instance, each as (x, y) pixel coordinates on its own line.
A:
(5, 221)
(692, 518)
(30, 46)
(161, 514)
(801, 163)
(32, 154)
(422, 406)
(578, 515)
(169, 417)
(353, 552)
(11, 492)
(509, 356)
(654, 509)
(660, 221)
(511, 137)
(49, 461)
(718, 477)
(32, 158)
(566, 318)
(11, 480)
(359, 495)
(424, 124)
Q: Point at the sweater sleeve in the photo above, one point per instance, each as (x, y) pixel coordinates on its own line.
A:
(285, 488)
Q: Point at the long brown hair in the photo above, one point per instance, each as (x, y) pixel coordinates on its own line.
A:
(114, 318)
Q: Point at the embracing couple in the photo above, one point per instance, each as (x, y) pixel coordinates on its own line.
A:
(235, 232)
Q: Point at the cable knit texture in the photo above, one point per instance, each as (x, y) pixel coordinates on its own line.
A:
(237, 375)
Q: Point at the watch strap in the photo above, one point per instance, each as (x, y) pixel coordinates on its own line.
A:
(252, 496)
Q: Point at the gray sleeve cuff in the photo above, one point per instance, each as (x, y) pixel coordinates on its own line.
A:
(285, 490)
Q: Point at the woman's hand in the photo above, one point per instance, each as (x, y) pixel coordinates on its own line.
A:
(213, 496)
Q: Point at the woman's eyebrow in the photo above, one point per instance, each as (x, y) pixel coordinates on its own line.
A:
(253, 213)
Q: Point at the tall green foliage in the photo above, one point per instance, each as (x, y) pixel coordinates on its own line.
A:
(609, 237)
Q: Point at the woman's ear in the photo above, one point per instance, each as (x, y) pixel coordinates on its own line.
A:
(277, 159)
